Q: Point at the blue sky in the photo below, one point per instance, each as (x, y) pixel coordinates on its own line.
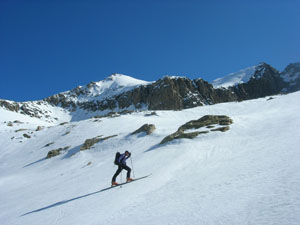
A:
(47, 47)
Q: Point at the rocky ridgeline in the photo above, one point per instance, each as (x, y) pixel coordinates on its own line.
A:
(176, 93)
(168, 93)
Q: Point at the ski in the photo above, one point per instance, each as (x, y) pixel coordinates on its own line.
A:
(124, 183)
(135, 179)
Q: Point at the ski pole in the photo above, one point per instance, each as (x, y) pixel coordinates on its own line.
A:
(132, 167)
(121, 180)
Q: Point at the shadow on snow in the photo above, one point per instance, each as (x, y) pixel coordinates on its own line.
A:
(66, 201)
(82, 196)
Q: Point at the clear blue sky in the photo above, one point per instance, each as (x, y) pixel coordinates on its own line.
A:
(47, 47)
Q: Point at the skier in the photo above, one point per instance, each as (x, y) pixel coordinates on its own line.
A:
(121, 163)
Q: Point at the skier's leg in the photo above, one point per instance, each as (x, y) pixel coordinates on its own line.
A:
(117, 173)
(128, 170)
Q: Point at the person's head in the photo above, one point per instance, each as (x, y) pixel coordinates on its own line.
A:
(126, 153)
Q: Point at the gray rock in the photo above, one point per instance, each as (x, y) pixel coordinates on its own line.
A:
(147, 128)
(20, 130)
(26, 135)
(39, 128)
(51, 143)
(222, 129)
(66, 133)
(151, 114)
(56, 152)
(92, 141)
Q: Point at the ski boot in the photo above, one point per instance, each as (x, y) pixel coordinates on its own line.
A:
(114, 184)
(129, 179)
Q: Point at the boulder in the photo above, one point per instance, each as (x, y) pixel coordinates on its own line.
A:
(56, 152)
(92, 141)
(39, 128)
(51, 143)
(147, 128)
(20, 130)
(26, 135)
(151, 114)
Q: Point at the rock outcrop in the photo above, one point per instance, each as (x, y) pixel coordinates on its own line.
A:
(204, 122)
(92, 141)
(146, 128)
(56, 152)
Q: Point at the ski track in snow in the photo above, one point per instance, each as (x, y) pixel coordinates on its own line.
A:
(247, 175)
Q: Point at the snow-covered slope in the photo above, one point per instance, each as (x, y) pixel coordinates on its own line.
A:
(243, 76)
(247, 175)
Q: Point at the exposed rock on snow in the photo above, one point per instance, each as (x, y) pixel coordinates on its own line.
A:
(222, 129)
(151, 114)
(56, 152)
(26, 135)
(22, 129)
(147, 128)
(51, 143)
(109, 115)
(66, 133)
(39, 128)
(92, 141)
(205, 121)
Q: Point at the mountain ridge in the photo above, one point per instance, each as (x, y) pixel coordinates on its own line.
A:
(120, 92)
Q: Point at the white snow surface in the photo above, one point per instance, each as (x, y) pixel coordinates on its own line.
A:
(247, 175)
(232, 79)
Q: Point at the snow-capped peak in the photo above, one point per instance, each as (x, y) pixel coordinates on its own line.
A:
(232, 79)
(114, 84)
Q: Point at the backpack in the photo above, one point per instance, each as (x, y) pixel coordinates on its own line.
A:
(118, 154)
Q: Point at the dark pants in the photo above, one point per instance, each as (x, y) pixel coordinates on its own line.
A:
(120, 168)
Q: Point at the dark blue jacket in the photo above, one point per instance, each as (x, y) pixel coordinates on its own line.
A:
(122, 159)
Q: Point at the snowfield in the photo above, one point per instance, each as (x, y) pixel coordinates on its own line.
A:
(247, 175)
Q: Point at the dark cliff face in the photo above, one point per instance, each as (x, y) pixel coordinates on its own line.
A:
(168, 93)
(172, 94)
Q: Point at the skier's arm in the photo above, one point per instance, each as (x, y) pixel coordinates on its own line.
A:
(128, 155)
